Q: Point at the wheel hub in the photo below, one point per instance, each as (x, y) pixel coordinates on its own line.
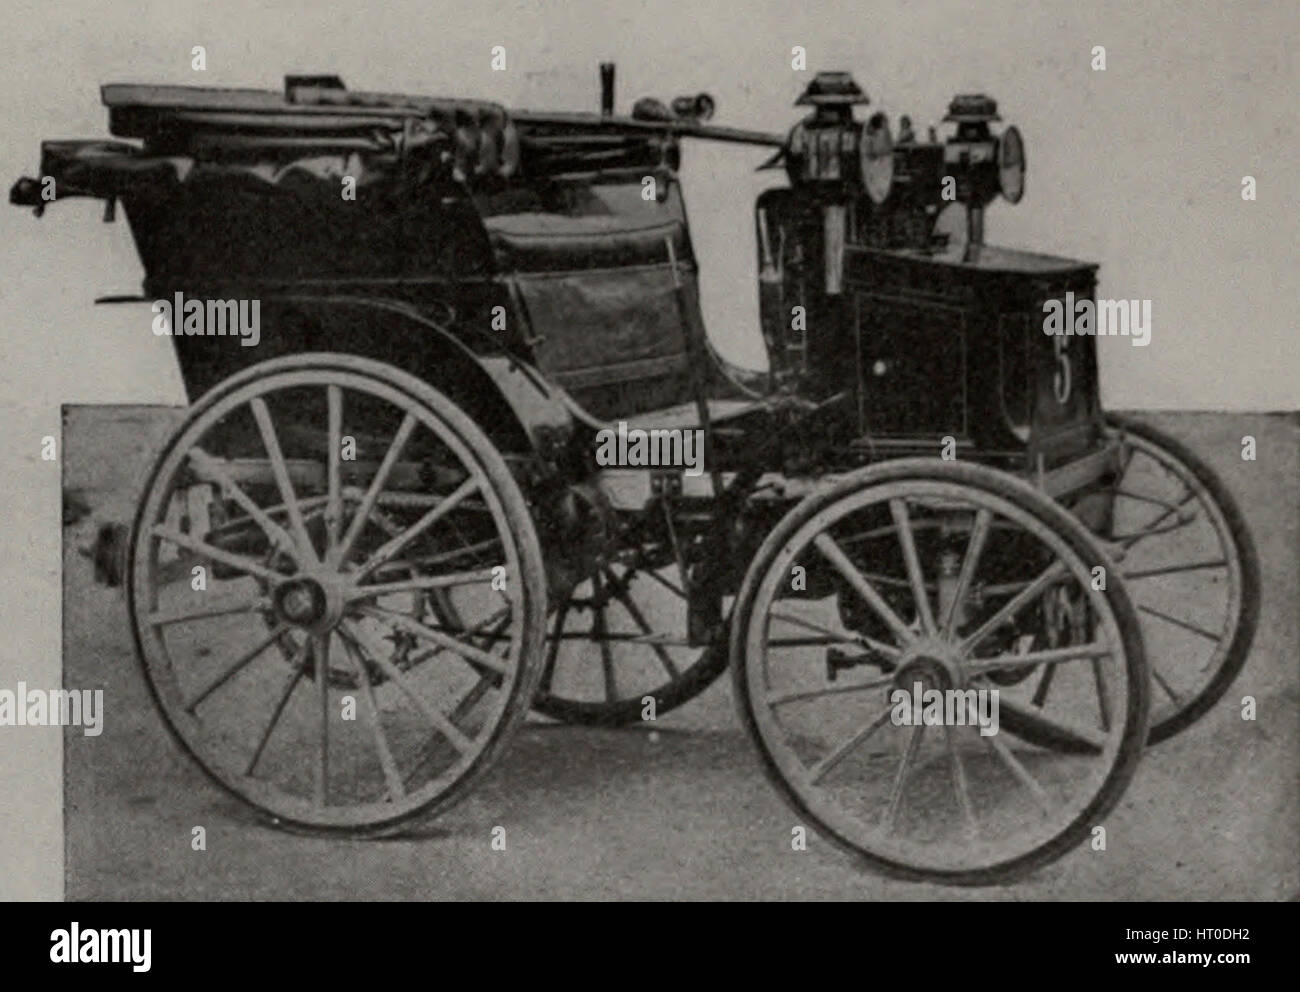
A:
(933, 662)
(308, 602)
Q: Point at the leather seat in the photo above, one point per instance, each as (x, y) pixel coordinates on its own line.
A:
(542, 242)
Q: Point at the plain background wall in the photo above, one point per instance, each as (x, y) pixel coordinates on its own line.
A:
(1138, 167)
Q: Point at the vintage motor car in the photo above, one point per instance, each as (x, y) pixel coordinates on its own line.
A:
(395, 501)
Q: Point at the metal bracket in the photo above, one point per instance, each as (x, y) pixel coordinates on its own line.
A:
(666, 483)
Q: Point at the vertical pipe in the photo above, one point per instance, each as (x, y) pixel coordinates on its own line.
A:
(770, 310)
(606, 89)
(974, 231)
(833, 241)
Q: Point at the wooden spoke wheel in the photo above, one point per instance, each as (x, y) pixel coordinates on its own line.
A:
(286, 631)
(944, 569)
(1191, 568)
(619, 640)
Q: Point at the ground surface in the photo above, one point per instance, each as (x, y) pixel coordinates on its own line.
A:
(683, 814)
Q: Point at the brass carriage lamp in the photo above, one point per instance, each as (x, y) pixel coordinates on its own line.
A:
(823, 151)
(982, 163)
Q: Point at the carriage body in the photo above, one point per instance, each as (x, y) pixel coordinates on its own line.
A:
(557, 260)
(503, 289)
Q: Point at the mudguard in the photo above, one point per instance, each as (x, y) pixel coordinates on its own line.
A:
(509, 399)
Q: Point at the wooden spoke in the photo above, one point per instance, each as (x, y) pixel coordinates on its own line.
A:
(1138, 497)
(1186, 625)
(278, 536)
(246, 565)
(907, 541)
(298, 659)
(650, 640)
(672, 587)
(236, 666)
(1050, 656)
(974, 549)
(900, 779)
(1021, 773)
(311, 506)
(791, 696)
(432, 561)
(1146, 573)
(281, 472)
(439, 720)
(1027, 595)
(639, 619)
(1044, 685)
(803, 642)
(553, 650)
(606, 657)
(818, 771)
(466, 651)
(334, 469)
(498, 622)
(393, 778)
(486, 681)
(344, 547)
(392, 547)
(1153, 528)
(838, 636)
(243, 604)
(1164, 684)
(418, 583)
(1103, 697)
(599, 634)
(832, 553)
(959, 783)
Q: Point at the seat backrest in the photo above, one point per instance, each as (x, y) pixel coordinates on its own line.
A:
(591, 269)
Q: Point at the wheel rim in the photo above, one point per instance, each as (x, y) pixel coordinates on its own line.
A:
(940, 802)
(1184, 568)
(617, 641)
(335, 595)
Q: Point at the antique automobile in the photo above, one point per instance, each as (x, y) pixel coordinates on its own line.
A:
(393, 502)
